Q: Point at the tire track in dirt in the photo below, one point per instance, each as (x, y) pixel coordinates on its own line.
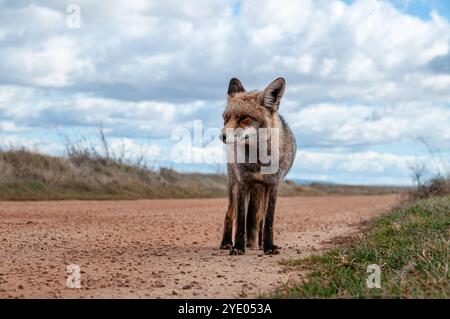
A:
(160, 248)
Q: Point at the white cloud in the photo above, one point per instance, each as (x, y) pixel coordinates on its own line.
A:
(14, 141)
(150, 43)
(360, 162)
(342, 125)
(358, 75)
(356, 168)
(9, 126)
(130, 150)
(24, 109)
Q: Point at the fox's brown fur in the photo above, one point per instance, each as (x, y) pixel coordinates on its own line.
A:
(249, 190)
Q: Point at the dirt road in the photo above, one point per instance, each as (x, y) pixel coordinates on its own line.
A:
(159, 248)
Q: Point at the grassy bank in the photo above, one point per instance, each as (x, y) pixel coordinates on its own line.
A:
(411, 245)
(26, 175)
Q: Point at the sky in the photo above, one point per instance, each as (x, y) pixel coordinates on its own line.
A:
(366, 81)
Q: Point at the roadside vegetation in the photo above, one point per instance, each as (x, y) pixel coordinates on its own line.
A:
(26, 175)
(410, 244)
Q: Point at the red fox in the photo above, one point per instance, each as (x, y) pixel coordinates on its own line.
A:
(252, 187)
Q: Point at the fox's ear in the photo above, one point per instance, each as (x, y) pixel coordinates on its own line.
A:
(273, 93)
(235, 86)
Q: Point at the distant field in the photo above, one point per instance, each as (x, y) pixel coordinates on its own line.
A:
(26, 175)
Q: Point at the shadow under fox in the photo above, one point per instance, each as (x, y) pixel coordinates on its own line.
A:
(252, 192)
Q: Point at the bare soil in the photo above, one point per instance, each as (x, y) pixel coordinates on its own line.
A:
(161, 248)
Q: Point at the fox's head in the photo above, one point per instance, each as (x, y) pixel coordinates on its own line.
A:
(247, 112)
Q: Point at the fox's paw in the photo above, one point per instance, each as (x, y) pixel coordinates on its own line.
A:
(226, 245)
(271, 250)
(237, 251)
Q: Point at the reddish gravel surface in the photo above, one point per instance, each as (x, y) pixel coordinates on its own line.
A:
(160, 248)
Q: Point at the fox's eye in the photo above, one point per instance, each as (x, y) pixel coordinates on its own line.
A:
(243, 118)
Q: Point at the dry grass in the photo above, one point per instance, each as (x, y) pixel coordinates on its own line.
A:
(437, 186)
(26, 175)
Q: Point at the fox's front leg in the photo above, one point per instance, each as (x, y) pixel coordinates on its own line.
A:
(239, 239)
(252, 216)
(268, 246)
(227, 241)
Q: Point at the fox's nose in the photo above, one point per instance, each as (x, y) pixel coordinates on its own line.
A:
(224, 137)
